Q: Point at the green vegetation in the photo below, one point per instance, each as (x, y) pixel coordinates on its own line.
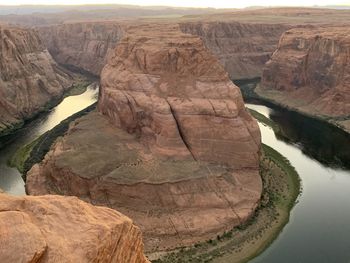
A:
(8, 129)
(77, 88)
(80, 85)
(281, 187)
(293, 180)
(18, 160)
(263, 119)
(34, 152)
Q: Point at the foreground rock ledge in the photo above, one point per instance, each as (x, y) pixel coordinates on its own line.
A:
(65, 229)
(172, 146)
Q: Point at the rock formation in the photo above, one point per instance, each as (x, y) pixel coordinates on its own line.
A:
(172, 147)
(242, 48)
(310, 71)
(83, 45)
(243, 40)
(29, 78)
(64, 229)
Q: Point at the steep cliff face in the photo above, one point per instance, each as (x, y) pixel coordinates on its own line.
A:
(310, 71)
(83, 45)
(29, 78)
(242, 48)
(172, 147)
(177, 97)
(65, 229)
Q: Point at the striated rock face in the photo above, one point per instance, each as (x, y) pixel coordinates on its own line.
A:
(310, 71)
(242, 48)
(172, 146)
(65, 229)
(178, 98)
(83, 45)
(29, 78)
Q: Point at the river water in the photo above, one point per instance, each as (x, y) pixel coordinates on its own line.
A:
(319, 226)
(10, 179)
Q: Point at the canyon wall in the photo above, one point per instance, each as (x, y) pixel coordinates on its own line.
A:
(242, 48)
(29, 77)
(172, 145)
(64, 229)
(310, 71)
(83, 45)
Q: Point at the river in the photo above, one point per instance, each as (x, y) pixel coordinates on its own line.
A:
(10, 179)
(319, 227)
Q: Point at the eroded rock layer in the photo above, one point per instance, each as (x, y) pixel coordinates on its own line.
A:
(173, 93)
(65, 229)
(29, 78)
(172, 147)
(310, 71)
(242, 48)
(84, 45)
(243, 40)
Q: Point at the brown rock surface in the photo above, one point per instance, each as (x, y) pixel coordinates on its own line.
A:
(178, 98)
(242, 48)
(175, 148)
(65, 229)
(310, 71)
(29, 78)
(83, 45)
(243, 40)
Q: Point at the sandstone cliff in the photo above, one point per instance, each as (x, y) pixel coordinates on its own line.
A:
(243, 40)
(174, 147)
(29, 78)
(242, 48)
(65, 229)
(83, 45)
(310, 71)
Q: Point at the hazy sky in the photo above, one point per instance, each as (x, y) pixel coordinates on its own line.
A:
(194, 3)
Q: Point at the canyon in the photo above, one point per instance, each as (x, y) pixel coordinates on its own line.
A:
(29, 78)
(242, 40)
(171, 145)
(242, 48)
(82, 46)
(310, 72)
(65, 229)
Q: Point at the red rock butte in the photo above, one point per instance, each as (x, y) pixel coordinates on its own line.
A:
(172, 145)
